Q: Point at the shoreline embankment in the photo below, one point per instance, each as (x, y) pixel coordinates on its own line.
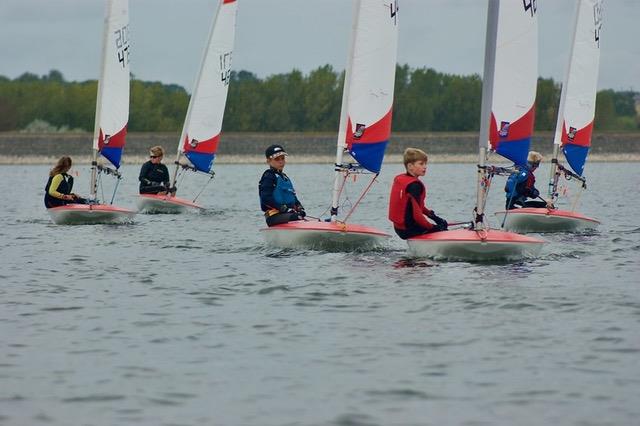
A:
(239, 148)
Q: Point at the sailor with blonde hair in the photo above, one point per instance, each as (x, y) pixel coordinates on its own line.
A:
(521, 185)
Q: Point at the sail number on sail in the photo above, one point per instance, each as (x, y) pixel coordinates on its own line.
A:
(225, 68)
(530, 5)
(597, 22)
(122, 45)
(393, 7)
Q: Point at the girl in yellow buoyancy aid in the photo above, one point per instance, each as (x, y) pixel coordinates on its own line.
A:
(57, 192)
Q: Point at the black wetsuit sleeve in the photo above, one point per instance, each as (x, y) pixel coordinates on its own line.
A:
(144, 172)
(165, 175)
(266, 186)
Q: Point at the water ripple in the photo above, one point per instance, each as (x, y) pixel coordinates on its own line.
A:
(94, 398)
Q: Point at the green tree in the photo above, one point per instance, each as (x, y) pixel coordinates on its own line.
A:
(605, 111)
(547, 101)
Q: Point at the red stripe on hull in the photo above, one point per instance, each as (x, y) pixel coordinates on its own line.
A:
(548, 212)
(491, 235)
(327, 226)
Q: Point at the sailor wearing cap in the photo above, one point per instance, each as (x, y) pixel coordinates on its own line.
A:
(277, 197)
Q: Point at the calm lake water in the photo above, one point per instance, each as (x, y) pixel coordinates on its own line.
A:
(191, 320)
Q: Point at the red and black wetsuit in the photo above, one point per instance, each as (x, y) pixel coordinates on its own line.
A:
(406, 207)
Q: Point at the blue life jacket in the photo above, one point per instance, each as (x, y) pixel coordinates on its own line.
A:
(284, 193)
(521, 185)
(513, 186)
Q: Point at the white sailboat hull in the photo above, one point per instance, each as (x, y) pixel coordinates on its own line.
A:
(90, 214)
(152, 203)
(324, 236)
(469, 245)
(545, 220)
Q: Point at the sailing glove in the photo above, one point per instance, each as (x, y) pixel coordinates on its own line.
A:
(301, 212)
(283, 208)
(438, 220)
(440, 227)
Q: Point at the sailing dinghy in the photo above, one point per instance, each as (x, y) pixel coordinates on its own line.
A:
(365, 127)
(112, 114)
(506, 122)
(203, 124)
(573, 129)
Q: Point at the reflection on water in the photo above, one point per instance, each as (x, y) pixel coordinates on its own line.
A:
(191, 319)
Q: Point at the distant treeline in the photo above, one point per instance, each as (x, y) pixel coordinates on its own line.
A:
(425, 100)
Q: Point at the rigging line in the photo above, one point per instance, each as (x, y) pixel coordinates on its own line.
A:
(504, 219)
(343, 185)
(575, 201)
(100, 186)
(366, 190)
(113, 196)
(344, 181)
(488, 181)
(203, 187)
(181, 176)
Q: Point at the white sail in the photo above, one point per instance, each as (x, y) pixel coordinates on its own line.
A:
(367, 97)
(578, 98)
(513, 78)
(112, 105)
(508, 88)
(203, 124)
(365, 121)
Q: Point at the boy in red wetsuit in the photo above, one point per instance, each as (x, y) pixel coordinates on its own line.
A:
(407, 210)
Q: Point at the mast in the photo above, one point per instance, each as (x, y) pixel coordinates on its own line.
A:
(344, 111)
(187, 119)
(96, 131)
(485, 111)
(557, 137)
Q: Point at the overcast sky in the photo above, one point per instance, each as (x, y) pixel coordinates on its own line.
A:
(276, 36)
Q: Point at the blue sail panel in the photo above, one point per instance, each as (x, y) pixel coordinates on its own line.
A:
(515, 150)
(576, 156)
(369, 155)
(201, 161)
(112, 154)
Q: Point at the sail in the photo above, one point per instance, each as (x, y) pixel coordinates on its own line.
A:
(369, 82)
(203, 124)
(112, 105)
(515, 77)
(578, 99)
